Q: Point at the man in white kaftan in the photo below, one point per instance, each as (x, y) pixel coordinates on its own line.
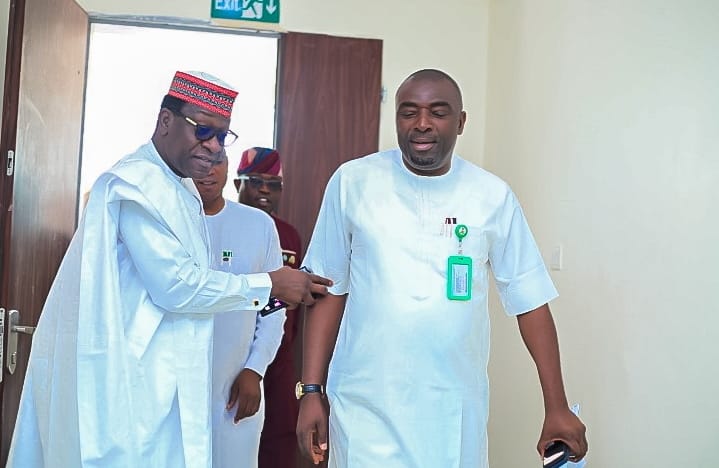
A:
(407, 384)
(119, 371)
(243, 240)
(408, 377)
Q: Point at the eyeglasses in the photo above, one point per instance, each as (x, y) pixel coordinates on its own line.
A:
(204, 132)
(274, 185)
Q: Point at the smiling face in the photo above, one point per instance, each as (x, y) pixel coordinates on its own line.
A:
(211, 186)
(429, 118)
(262, 191)
(178, 146)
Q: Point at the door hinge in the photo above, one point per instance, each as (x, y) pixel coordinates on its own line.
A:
(10, 167)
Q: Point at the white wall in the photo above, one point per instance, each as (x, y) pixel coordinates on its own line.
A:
(604, 117)
(451, 35)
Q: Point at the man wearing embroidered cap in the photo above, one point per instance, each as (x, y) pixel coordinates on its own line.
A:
(259, 184)
(119, 371)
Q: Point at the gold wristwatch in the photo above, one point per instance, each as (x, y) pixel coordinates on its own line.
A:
(302, 389)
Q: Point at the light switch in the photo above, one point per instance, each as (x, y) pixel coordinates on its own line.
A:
(556, 262)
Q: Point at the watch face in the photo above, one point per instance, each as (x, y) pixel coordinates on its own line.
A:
(298, 390)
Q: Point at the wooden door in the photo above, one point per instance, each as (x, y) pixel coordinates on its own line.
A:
(327, 113)
(41, 125)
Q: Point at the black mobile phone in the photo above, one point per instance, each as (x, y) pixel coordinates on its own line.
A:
(273, 306)
(556, 455)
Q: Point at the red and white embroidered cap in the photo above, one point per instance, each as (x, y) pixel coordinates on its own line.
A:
(204, 90)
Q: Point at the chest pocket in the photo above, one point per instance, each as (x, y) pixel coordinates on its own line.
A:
(474, 245)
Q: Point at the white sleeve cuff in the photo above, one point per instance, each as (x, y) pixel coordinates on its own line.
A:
(531, 290)
(260, 286)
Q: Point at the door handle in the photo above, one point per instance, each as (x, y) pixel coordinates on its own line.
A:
(13, 317)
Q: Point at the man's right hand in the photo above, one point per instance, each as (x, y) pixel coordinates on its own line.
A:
(312, 423)
(297, 287)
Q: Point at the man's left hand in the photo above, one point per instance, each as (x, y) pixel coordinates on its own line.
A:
(245, 394)
(565, 426)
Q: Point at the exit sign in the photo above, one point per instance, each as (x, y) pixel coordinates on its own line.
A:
(264, 11)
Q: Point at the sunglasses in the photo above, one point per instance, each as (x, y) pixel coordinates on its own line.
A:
(204, 132)
(273, 185)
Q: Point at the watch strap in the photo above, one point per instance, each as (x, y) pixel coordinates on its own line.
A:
(312, 388)
(303, 389)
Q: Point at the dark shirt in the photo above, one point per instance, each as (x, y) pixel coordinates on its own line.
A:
(281, 407)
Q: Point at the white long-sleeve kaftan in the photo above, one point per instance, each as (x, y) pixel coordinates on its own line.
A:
(119, 371)
(407, 382)
(243, 240)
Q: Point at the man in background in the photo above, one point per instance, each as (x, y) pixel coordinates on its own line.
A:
(259, 183)
(243, 240)
(119, 370)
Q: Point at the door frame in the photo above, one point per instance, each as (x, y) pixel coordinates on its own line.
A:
(8, 131)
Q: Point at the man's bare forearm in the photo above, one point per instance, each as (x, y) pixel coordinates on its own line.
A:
(540, 337)
(322, 322)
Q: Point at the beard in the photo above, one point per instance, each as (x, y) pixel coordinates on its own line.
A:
(423, 160)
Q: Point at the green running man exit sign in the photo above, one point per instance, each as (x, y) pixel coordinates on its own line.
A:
(263, 11)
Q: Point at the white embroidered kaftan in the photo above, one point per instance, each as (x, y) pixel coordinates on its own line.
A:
(243, 240)
(119, 371)
(407, 382)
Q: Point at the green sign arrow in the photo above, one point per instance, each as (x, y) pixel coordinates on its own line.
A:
(263, 11)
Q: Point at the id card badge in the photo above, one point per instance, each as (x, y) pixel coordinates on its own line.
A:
(459, 278)
(459, 270)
